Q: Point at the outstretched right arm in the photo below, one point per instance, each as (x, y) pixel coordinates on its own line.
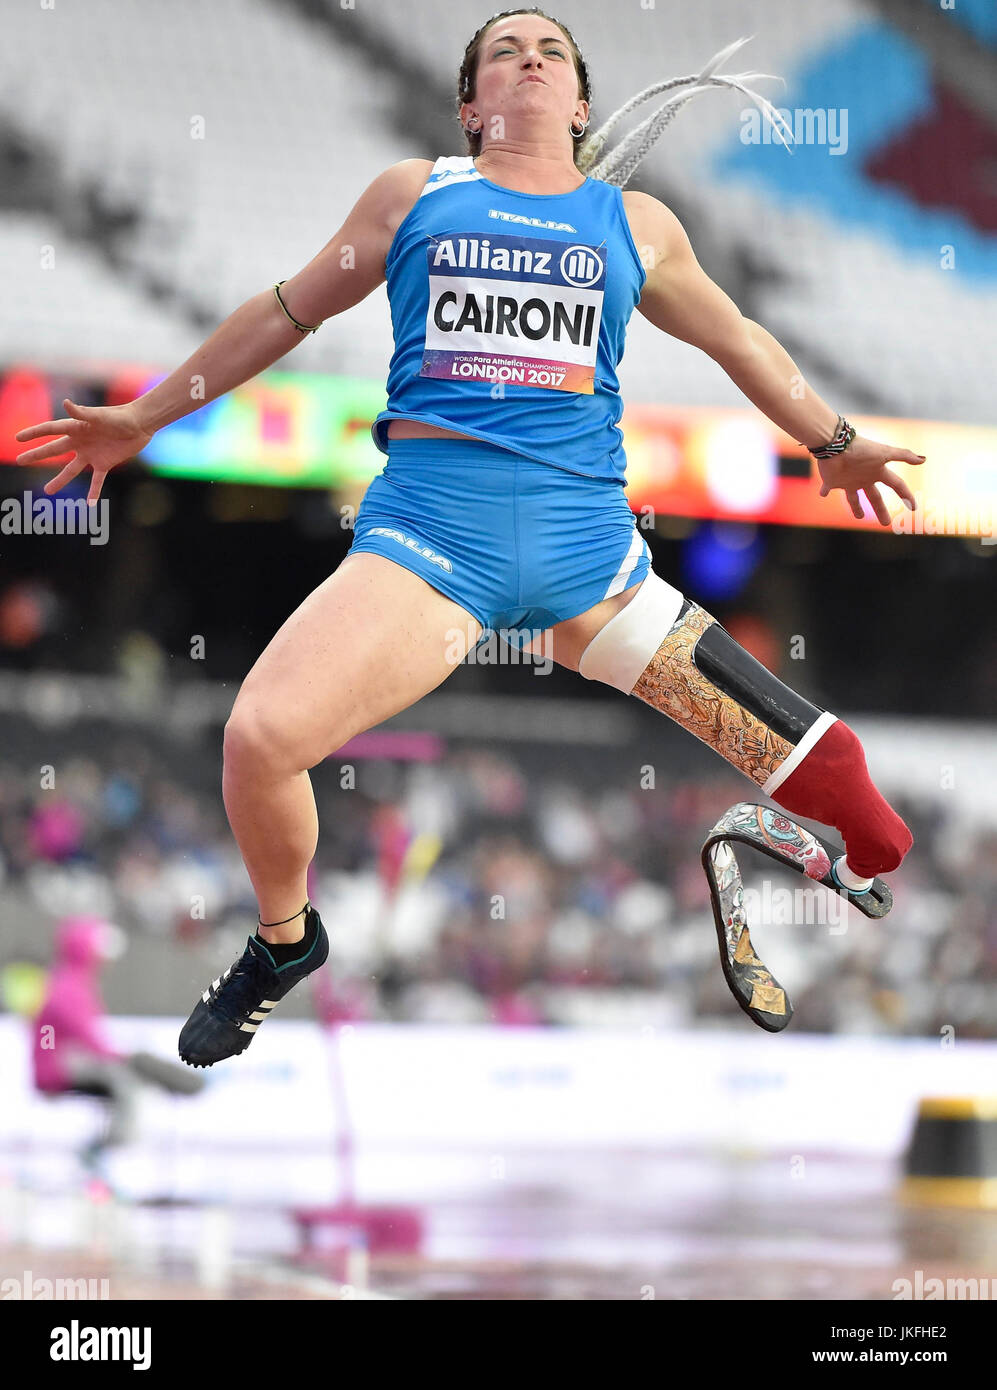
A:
(251, 339)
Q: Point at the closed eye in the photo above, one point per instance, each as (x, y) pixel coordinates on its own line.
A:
(499, 51)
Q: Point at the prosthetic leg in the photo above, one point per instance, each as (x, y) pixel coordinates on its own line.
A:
(750, 981)
(675, 656)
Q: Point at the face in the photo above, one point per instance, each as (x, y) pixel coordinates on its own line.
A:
(525, 66)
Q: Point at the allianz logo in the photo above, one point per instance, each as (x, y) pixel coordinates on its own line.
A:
(580, 266)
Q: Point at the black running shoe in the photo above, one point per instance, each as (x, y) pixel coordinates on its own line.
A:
(230, 1010)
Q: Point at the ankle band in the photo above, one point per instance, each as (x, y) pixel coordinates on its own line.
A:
(286, 919)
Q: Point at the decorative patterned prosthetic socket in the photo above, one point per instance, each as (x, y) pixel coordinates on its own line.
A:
(676, 657)
(681, 681)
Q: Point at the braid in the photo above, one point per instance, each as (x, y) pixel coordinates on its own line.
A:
(619, 165)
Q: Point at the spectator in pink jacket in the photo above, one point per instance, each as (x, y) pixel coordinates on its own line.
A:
(71, 1051)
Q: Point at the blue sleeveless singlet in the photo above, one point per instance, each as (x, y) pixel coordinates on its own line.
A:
(509, 313)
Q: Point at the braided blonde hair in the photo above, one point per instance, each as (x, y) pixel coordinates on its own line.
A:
(619, 164)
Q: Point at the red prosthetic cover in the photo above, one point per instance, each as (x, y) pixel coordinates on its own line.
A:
(832, 785)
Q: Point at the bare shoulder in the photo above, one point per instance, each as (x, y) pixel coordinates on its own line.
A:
(399, 186)
(654, 227)
(408, 174)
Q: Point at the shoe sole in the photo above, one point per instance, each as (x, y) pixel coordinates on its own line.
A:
(250, 1028)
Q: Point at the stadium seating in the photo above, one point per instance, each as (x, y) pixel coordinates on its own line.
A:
(248, 131)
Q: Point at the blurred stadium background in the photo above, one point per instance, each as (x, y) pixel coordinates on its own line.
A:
(556, 1097)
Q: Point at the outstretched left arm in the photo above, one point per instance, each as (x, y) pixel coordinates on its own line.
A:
(680, 298)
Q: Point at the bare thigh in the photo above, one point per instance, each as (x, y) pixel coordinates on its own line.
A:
(565, 642)
(367, 643)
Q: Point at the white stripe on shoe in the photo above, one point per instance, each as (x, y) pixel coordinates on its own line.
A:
(259, 1014)
(215, 984)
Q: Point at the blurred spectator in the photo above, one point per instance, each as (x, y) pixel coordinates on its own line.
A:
(69, 1049)
(479, 888)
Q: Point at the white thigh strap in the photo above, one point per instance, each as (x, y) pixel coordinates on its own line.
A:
(619, 653)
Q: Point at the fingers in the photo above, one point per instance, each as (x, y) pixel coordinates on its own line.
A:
(77, 412)
(900, 488)
(65, 429)
(45, 451)
(96, 483)
(39, 431)
(856, 505)
(905, 456)
(72, 468)
(878, 505)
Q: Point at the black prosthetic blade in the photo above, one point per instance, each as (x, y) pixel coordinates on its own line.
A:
(770, 831)
(752, 984)
(876, 901)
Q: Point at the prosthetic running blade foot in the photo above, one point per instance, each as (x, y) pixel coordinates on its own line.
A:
(752, 984)
(228, 1013)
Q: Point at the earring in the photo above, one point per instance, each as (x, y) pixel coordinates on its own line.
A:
(577, 134)
(476, 129)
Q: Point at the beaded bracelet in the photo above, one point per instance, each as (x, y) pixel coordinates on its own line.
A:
(300, 326)
(844, 433)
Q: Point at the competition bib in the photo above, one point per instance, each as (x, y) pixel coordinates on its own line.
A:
(518, 309)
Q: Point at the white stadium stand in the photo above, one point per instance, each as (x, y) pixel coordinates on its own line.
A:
(77, 309)
(296, 124)
(293, 133)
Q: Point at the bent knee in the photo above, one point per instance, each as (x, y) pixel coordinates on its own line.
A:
(257, 737)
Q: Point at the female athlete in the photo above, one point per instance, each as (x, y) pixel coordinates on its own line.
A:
(511, 274)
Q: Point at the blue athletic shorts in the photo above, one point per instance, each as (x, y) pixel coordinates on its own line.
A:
(521, 545)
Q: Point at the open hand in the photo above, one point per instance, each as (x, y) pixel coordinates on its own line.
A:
(860, 468)
(100, 436)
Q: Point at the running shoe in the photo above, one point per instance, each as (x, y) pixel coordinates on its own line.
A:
(231, 1009)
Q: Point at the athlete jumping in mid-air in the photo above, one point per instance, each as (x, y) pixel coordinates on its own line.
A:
(511, 274)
